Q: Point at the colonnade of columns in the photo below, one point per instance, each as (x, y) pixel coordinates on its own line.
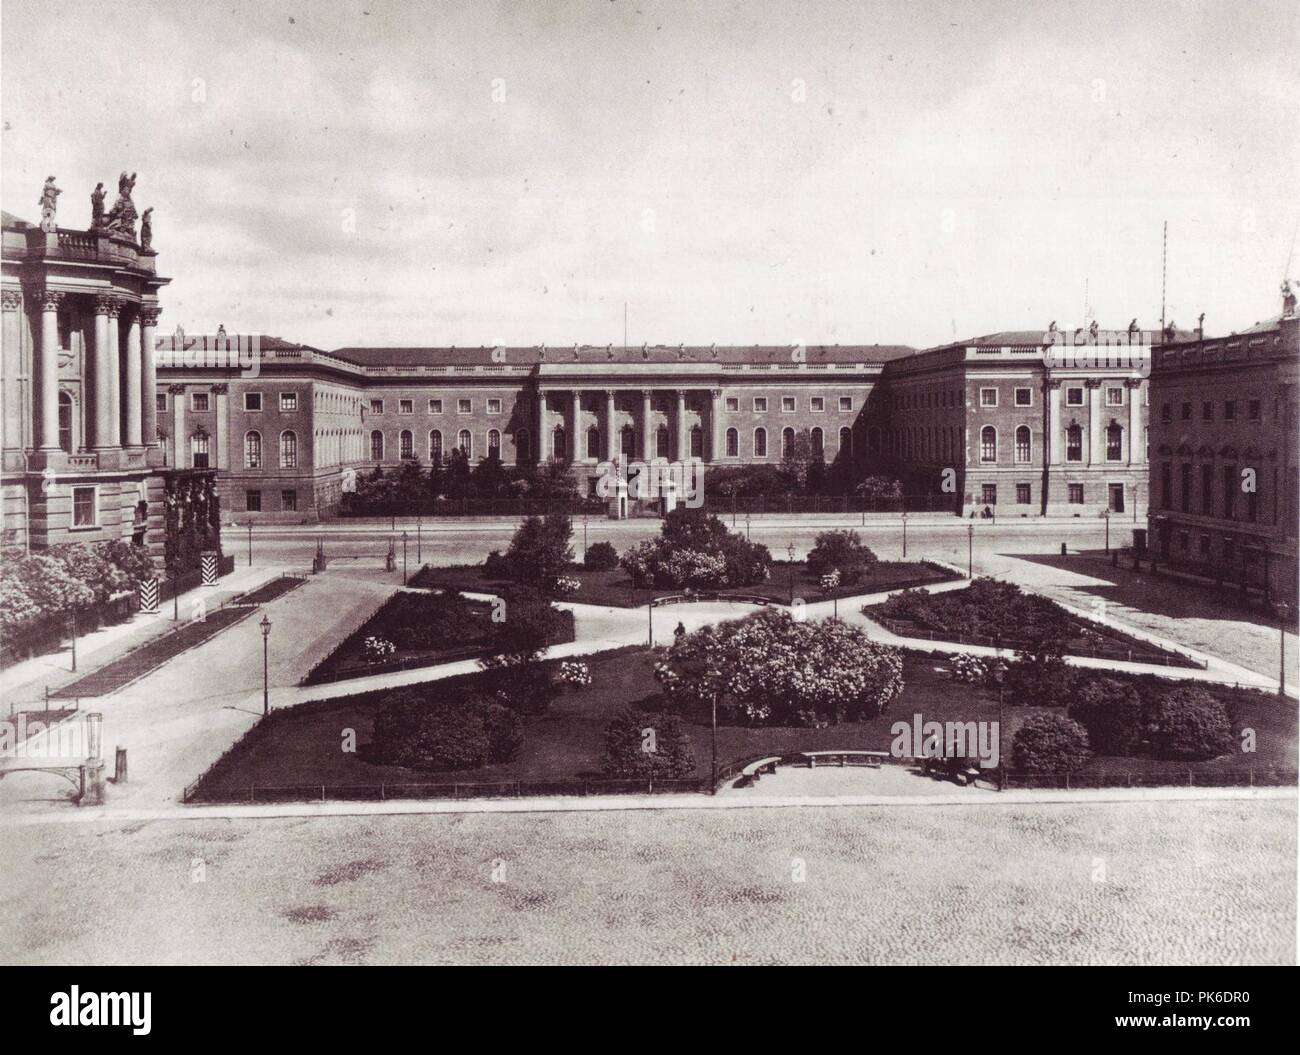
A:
(610, 432)
(123, 373)
(1094, 437)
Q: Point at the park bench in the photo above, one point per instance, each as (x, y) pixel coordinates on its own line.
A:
(871, 759)
(750, 773)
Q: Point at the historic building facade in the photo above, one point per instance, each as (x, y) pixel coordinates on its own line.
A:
(80, 456)
(1225, 469)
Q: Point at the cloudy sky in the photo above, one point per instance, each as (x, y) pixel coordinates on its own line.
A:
(388, 172)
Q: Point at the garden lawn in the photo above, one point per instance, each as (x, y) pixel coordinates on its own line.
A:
(613, 588)
(301, 747)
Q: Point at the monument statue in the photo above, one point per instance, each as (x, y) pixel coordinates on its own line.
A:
(121, 218)
(146, 228)
(1288, 301)
(97, 206)
(49, 204)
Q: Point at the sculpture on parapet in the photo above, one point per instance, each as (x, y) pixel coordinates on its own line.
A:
(1288, 301)
(146, 228)
(122, 216)
(97, 206)
(49, 204)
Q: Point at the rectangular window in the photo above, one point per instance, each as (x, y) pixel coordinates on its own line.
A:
(199, 401)
(1230, 491)
(1207, 411)
(846, 402)
(1166, 486)
(1024, 494)
(1207, 490)
(494, 406)
(1205, 545)
(1076, 494)
(1252, 410)
(1185, 486)
(253, 401)
(817, 404)
(1185, 412)
(1024, 397)
(1074, 444)
(435, 406)
(376, 406)
(989, 494)
(988, 397)
(83, 507)
(733, 404)
(65, 331)
(253, 501)
(406, 406)
(1229, 410)
(160, 401)
(760, 404)
(464, 406)
(289, 501)
(1074, 397)
(289, 402)
(787, 404)
(1114, 397)
(1166, 413)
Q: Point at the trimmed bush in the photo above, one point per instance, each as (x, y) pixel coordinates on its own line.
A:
(647, 745)
(1111, 711)
(1191, 725)
(601, 556)
(1040, 679)
(424, 733)
(841, 551)
(1050, 743)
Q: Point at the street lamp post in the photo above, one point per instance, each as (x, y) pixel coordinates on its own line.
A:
(419, 542)
(1105, 515)
(905, 536)
(266, 689)
(584, 538)
(250, 543)
(789, 552)
(970, 551)
(404, 536)
(650, 622)
(713, 676)
(1283, 609)
(746, 525)
(74, 638)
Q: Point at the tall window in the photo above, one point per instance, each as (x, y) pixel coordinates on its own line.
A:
(435, 447)
(288, 450)
(733, 443)
(1024, 442)
(522, 451)
(661, 441)
(988, 444)
(252, 450)
(1185, 488)
(558, 446)
(760, 443)
(1114, 443)
(1230, 491)
(494, 443)
(1074, 443)
(846, 442)
(1166, 486)
(199, 450)
(627, 441)
(593, 442)
(818, 443)
(65, 422)
(697, 442)
(1207, 490)
(787, 443)
(406, 444)
(465, 442)
(376, 446)
(83, 507)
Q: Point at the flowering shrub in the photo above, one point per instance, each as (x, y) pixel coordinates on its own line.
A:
(770, 669)
(830, 581)
(969, 669)
(377, 649)
(690, 567)
(575, 673)
(565, 586)
(696, 550)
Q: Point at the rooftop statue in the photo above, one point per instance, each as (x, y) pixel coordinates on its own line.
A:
(49, 204)
(97, 206)
(121, 218)
(1288, 301)
(146, 228)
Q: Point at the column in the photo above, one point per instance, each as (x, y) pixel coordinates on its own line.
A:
(683, 450)
(577, 452)
(543, 440)
(1054, 422)
(179, 461)
(611, 437)
(220, 460)
(1136, 448)
(133, 385)
(114, 349)
(103, 390)
(647, 441)
(716, 453)
(47, 373)
(1095, 453)
(10, 344)
(148, 376)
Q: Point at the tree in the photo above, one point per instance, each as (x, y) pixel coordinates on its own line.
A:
(1111, 711)
(1040, 678)
(600, 556)
(516, 674)
(841, 551)
(540, 552)
(1050, 743)
(1191, 724)
(651, 746)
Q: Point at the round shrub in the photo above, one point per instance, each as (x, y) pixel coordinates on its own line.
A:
(422, 733)
(1192, 725)
(647, 745)
(1050, 743)
(1111, 711)
(841, 551)
(601, 556)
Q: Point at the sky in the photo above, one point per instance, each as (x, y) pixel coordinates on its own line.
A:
(402, 173)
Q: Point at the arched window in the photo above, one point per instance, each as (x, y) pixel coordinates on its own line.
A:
(593, 443)
(988, 444)
(559, 446)
(199, 450)
(1114, 443)
(760, 443)
(787, 442)
(377, 446)
(697, 442)
(818, 443)
(288, 450)
(1024, 444)
(661, 441)
(405, 444)
(252, 450)
(627, 441)
(733, 443)
(494, 443)
(1074, 443)
(466, 443)
(846, 442)
(521, 445)
(435, 447)
(65, 422)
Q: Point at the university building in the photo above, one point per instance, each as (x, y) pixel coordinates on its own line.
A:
(1225, 470)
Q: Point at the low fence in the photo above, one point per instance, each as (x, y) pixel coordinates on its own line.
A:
(508, 789)
(1252, 776)
(721, 505)
(471, 507)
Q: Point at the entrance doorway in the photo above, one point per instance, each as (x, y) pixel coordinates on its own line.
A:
(1117, 498)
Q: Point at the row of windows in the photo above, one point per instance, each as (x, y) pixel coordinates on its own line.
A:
(288, 501)
(1207, 411)
(1073, 492)
(789, 404)
(1073, 444)
(1232, 485)
(463, 406)
(202, 403)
